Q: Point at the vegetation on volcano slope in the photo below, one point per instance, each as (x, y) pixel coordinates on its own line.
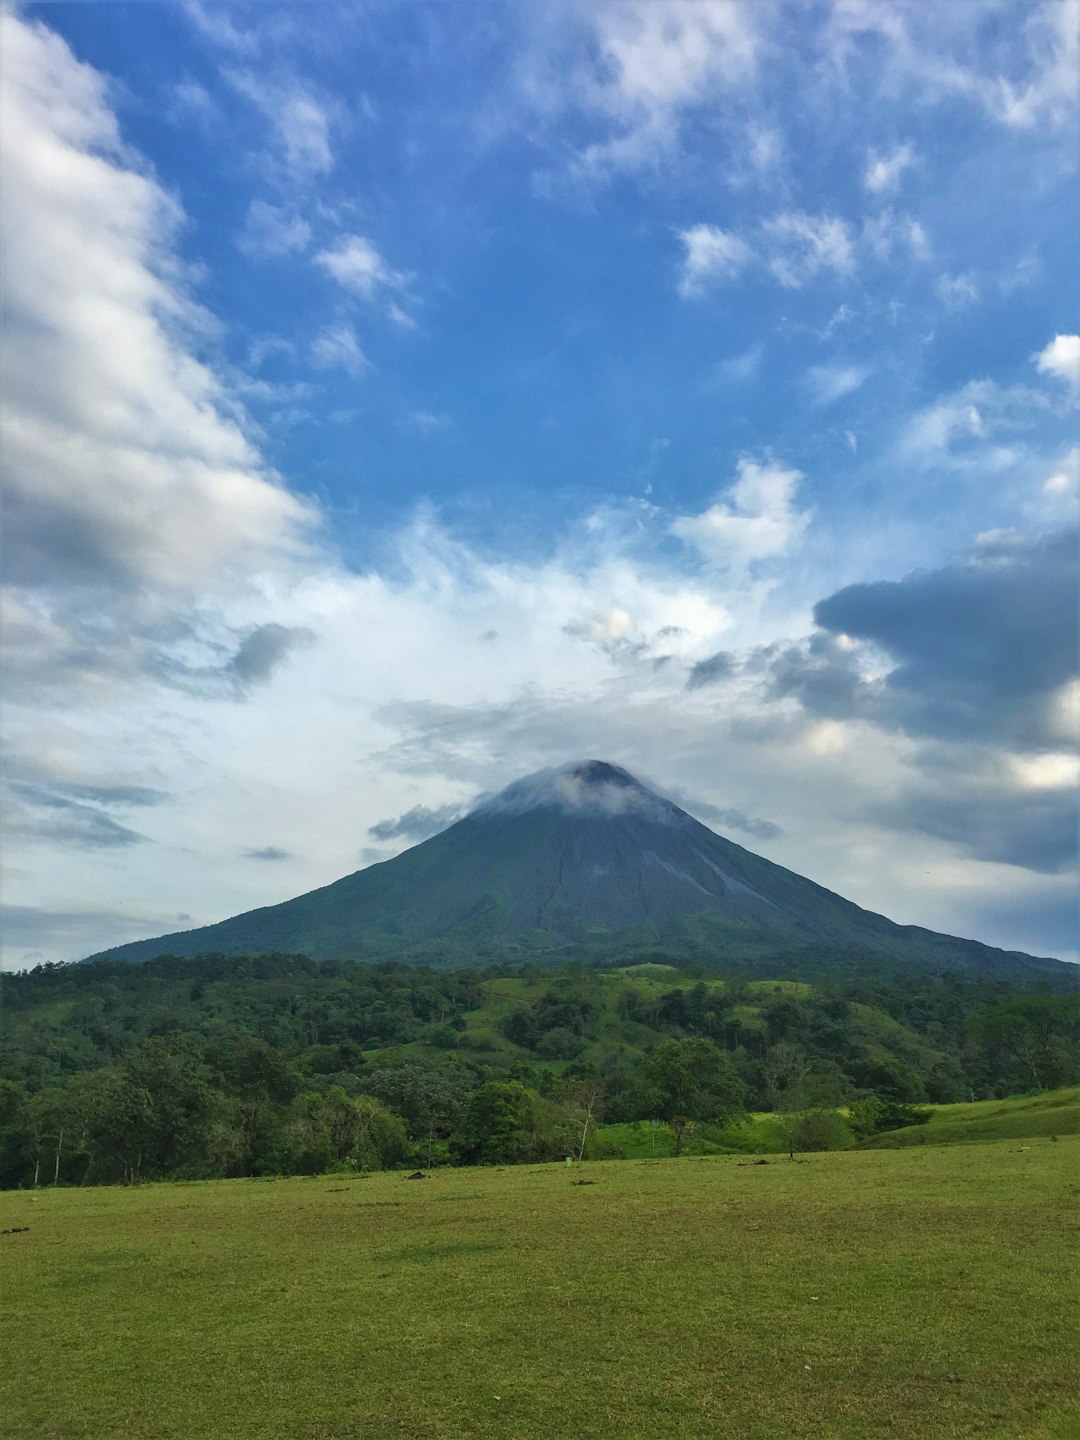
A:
(269, 1065)
(912, 1294)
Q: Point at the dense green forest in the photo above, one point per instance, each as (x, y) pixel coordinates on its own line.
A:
(260, 1065)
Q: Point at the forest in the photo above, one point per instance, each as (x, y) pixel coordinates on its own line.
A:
(219, 1066)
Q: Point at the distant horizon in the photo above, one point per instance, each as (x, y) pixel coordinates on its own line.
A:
(394, 400)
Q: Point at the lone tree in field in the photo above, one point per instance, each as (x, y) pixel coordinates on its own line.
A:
(690, 1080)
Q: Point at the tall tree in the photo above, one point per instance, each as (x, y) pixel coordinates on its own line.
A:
(684, 1081)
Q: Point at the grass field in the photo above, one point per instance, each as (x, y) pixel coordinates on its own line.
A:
(1019, 1117)
(918, 1293)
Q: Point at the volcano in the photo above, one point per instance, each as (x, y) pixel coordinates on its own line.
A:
(585, 862)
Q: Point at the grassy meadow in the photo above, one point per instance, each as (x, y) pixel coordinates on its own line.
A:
(922, 1292)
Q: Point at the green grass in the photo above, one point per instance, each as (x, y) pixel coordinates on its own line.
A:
(1020, 1117)
(911, 1294)
(641, 1140)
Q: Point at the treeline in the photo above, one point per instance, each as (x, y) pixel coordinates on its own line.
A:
(229, 1066)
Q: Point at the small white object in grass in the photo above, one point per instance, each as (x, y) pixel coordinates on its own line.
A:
(806, 1367)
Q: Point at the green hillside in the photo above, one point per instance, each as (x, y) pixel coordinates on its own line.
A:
(1052, 1115)
(234, 1065)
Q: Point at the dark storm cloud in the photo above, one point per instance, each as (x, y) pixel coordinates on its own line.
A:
(263, 650)
(708, 672)
(821, 675)
(418, 823)
(268, 852)
(980, 646)
(988, 818)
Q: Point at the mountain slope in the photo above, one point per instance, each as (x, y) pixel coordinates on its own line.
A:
(584, 857)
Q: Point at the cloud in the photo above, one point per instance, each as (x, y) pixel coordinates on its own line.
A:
(270, 853)
(973, 427)
(760, 520)
(737, 369)
(1061, 359)
(731, 819)
(1048, 95)
(885, 171)
(829, 383)
(217, 26)
(958, 291)
(711, 670)
(634, 71)
(793, 247)
(802, 246)
(980, 649)
(984, 813)
(952, 55)
(271, 231)
(127, 463)
(35, 934)
(39, 814)
(609, 629)
(419, 823)
(712, 255)
(300, 121)
(263, 650)
(357, 266)
(337, 348)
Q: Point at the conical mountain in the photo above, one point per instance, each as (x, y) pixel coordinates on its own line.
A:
(583, 861)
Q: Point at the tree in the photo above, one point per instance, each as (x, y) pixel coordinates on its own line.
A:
(504, 1123)
(431, 1099)
(807, 1109)
(689, 1080)
(579, 1105)
(149, 1116)
(1038, 1031)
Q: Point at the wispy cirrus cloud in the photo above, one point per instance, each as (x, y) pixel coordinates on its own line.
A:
(793, 247)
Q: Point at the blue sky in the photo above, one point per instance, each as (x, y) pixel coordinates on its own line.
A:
(400, 398)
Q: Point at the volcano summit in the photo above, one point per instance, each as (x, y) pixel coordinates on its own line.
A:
(584, 861)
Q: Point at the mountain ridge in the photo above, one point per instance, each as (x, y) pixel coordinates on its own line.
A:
(581, 856)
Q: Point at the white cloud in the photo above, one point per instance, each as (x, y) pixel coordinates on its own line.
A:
(758, 521)
(337, 348)
(886, 232)
(301, 122)
(982, 426)
(957, 291)
(1058, 502)
(793, 247)
(802, 246)
(711, 255)
(1061, 359)
(949, 53)
(885, 171)
(358, 267)
(1048, 95)
(636, 68)
(831, 382)
(765, 150)
(127, 461)
(271, 231)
